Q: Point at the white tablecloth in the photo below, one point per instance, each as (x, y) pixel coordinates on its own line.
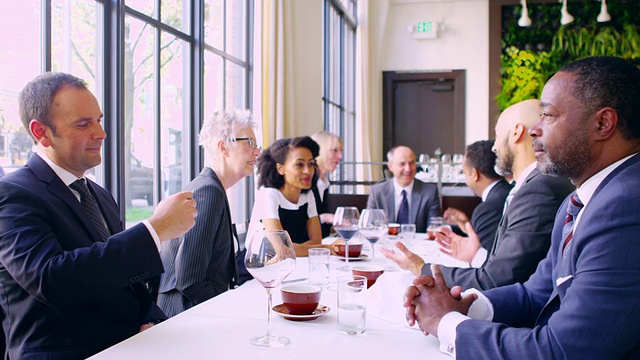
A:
(221, 327)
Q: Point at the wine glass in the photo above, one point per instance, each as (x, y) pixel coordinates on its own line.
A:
(373, 225)
(270, 258)
(345, 221)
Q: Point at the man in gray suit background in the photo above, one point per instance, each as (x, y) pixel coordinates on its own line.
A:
(524, 232)
(422, 200)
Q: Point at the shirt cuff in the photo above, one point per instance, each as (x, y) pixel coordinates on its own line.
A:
(479, 258)
(447, 332)
(481, 309)
(154, 234)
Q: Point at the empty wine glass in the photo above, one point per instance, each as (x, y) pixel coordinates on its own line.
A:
(270, 258)
(373, 225)
(345, 221)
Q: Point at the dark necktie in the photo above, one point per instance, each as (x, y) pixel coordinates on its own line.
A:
(572, 212)
(403, 212)
(90, 206)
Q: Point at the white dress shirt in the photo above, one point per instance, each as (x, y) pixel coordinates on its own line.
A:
(398, 195)
(482, 309)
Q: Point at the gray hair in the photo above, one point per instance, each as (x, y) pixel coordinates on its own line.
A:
(222, 125)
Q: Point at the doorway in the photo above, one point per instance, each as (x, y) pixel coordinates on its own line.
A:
(424, 111)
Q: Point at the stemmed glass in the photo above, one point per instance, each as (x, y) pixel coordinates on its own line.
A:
(373, 225)
(270, 258)
(345, 221)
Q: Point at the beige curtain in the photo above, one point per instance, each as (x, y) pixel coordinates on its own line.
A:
(277, 67)
(364, 126)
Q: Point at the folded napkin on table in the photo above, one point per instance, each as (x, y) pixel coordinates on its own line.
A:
(385, 297)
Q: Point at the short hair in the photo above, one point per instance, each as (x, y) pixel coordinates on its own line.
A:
(268, 175)
(609, 81)
(391, 151)
(481, 157)
(36, 98)
(222, 125)
(325, 138)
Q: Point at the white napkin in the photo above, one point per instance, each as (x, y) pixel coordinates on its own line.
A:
(385, 297)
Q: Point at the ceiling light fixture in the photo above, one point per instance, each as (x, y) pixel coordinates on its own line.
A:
(566, 18)
(604, 14)
(524, 20)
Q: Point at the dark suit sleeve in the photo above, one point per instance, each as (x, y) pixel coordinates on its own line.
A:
(599, 314)
(204, 252)
(521, 245)
(485, 220)
(61, 277)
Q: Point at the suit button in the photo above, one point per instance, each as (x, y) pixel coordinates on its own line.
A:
(131, 279)
(146, 274)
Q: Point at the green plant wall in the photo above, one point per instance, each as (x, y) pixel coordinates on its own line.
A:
(531, 55)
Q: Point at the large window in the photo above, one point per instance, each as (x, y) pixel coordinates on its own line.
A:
(339, 77)
(157, 67)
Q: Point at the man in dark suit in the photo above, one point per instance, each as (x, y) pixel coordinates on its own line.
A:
(71, 277)
(582, 302)
(422, 200)
(480, 176)
(522, 239)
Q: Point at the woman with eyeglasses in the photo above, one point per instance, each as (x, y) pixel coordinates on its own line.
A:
(328, 160)
(286, 173)
(202, 265)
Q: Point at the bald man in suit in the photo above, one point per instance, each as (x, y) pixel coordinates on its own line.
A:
(423, 199)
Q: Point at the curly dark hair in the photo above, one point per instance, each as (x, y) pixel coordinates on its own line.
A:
(481, 156)
(609, 81)
(277, 154)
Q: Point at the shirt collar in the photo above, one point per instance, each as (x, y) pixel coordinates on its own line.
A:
(398, 188)
(64, 175)
(525, 174)
(486, 190)
(588, 188)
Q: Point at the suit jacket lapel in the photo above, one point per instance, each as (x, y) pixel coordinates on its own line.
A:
(57, 188)
(416, 200)
(390, 200)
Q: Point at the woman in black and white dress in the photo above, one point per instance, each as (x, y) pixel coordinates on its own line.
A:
(286, 173)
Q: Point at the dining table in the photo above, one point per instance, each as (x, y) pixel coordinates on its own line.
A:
(220, 328)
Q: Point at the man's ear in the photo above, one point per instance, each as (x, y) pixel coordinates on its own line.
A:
(475, 174)
(606, 123)
(39, 132)
(518, 131)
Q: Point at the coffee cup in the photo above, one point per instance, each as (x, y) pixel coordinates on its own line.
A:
(394, 229)
(371, 272)
(301, 299)
(355, 249)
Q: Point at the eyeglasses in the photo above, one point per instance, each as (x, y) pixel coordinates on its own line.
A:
(252, 142)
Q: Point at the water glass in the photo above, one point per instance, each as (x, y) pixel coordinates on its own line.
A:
(435, 223)
(407, 233)
(352, 304)
(319, 266)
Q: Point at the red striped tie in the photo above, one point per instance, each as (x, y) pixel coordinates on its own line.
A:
(575, 205)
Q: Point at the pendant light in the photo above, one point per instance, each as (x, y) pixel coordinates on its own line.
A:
(604, 14)
(566, 18)
(524, 20)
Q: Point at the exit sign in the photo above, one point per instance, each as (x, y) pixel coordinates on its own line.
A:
(426, 30)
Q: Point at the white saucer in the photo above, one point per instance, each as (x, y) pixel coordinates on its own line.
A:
(282, 311)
